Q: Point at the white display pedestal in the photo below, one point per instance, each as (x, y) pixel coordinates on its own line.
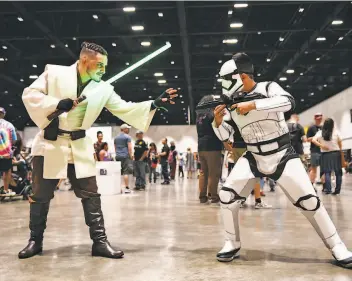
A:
(108, 177)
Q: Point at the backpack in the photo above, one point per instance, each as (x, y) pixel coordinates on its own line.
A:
(170, 159)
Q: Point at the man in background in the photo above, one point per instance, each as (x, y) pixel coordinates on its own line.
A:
(123, 149)
(164, 155)
(140, 156)
(97, 145)
(7, 139)
(297, 135)
(315, 153)
(172, 160)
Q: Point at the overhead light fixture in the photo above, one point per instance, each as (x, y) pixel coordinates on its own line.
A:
(34, 65)
(182, 101)
(181, 96)
(340, 38)
(74, 38)
(321, 39)
(21, 80)
(113, 44)
(127, 63)
(20, 18)
(283, 78)
(2, 59)
(66, 45)
(229, 12)
(268, 60)
(158, 74)
(301, 74)
(325, 85)
(214, 88)
(160, 15)
(150, 97)
(302, 99)
(344, 73)
(290, 71)
(137, 77)
(241, 5)
(129, 9)
(217, 75)
(167, 122)
(301, 10)
(220, 61)
(281, 39)
(219, 80)
(144, 89)
(10, 104)
(4, 47)
(311, 94)
(172, 62)
(95, 17)
(137, 27)
(229, 41)
(317, 58)
(33, 76)
(259, 33)
(176, 76)
(258, 74)
(52, 46)
(183, 108)
(145, 43)
(162, 81)
(337, 22)
(178, 88)
(236, 25)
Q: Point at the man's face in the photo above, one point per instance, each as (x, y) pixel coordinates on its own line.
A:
(126, 131)
(96, 66)
(139, 136)
(163, 141)
(318, 119)
(100, 137)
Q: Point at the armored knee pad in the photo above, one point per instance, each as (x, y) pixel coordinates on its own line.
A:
(229, 196)
(308, 202)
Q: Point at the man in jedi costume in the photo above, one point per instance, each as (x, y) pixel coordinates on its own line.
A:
(62, 150)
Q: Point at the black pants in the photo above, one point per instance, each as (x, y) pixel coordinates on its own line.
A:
(165, 171)
(43, 189)
(180, 171)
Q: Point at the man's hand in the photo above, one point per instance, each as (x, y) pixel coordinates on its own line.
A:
(243, 108)
(165, 97)
(219, 113)
(66, 104)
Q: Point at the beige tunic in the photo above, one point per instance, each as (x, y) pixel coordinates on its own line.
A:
(60, 82)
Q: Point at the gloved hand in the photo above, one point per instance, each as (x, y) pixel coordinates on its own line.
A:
(165, 97)
(65, 105)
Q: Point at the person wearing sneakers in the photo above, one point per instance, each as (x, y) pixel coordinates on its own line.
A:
(123, 148)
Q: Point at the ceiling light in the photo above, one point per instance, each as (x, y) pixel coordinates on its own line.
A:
(340, 38)
(183, 108)
(290, 71)
(229, 12)
(137, 77)
(2, 59)
(167, 122)
(66, 45)
(172, 62)
(34, 65)
(317, 58)
(161, 81)
(52, 46)
(150, 97)
(321, 39)
(21, 80)
(129, 9)
(337, 22)
(160, 15)
(258, 74)
(4, 47)
(325, 85)
(144, 89)
(302, 99)
(181, 96)
(33, 76)
(217, 75)
(145, 43)
(158, 74)
(281, 39)
(287, 86)
(344, 73)
(229, 41)
(301, 74)
(127, 63)
(268, 60)
(236, 25)
(178, 88)
(283, 78)
(113, 44)
(301, 10)
(138, 27)
(219, 80)
(95, 17)
(10, 105)
(74, 38)
(241, 5)
(6, 92)
(20, 19)
(220, 61)
(182, 101)
(176, 76)
(214, 88)
(259, 33)
(311, 94)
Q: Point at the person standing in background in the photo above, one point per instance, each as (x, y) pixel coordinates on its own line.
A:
(181, 163)
(315, 153)
(123, 148)
(164, 155)
(297, 135)
(103, 153)
(190, 163)
(7, 139)
(172, 160)
(140, 155)
(152, 161)
(97, 145)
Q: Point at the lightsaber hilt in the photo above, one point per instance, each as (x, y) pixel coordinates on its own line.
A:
(58, 112)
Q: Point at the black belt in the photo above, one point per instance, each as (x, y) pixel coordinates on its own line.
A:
(283, 142)
(74, 135)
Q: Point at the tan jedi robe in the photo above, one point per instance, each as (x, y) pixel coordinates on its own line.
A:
(60, 82)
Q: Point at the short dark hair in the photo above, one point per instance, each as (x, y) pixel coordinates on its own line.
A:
(99, 132)
(93, 47)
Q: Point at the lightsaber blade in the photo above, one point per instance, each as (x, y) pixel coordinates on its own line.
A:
(139, 63)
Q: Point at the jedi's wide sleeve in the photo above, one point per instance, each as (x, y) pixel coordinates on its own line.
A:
(278, 100)
(37, 101)
(137, 115)
(224, 131)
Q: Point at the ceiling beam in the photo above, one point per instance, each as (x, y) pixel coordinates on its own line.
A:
(43, 28)
(181, 14)
(12, 81)
(305, 46)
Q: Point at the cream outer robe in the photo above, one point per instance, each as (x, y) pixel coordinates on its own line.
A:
(60, 82)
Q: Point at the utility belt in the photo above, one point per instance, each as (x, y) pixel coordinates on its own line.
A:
(52, 134)
(271, 146)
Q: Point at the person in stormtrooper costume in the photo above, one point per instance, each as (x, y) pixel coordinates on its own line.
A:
(260, 118)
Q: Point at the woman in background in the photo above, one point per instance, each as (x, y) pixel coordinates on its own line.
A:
(181, 163)
(103, 153)
(190, 162)
(152, 161)
(329, 141)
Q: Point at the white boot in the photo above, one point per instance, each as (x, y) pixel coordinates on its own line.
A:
(342, 255)
(230, 251)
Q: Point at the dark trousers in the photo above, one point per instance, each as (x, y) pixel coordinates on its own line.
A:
(152, 172)
(139, 170)
(43, 189)
(338, 175)
(173, 170)
(165, 171)
(180, 171)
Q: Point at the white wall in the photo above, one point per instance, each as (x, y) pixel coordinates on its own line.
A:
(184, 136)
(338, 108)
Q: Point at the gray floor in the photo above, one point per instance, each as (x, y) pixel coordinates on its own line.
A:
(167, 235)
